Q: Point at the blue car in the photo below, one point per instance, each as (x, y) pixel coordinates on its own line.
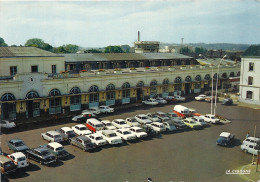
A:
(225, 139)
(17, 145)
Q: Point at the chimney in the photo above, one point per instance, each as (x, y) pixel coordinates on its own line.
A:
(138, 36)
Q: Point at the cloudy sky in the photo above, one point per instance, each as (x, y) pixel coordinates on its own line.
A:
(103, 23)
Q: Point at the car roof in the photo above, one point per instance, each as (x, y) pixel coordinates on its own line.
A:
(160, 112)
(119, 120)
(40, 149)
(66, 128)
(83, 137)
(123, 129)
(52, 132)
(16, 140)
(224, 134)
(55, 145)
(189, 119)
(158, 123)
(95, 134)
(106, 121)
(108, 131)
(80, 125)
(136, 128)
(253, 138)
(18, 154)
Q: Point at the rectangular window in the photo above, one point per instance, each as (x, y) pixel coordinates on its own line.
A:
(13, 70)
(34, 69)
(251, 66)
(53, 69)
(249, 95)
(250, 80)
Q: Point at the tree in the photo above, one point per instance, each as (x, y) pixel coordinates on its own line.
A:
(125, 48)
(200, 50)
(68, 48)
(35, 42)
(185, 50)
(113, 49)
(2, 42)
(92, 51)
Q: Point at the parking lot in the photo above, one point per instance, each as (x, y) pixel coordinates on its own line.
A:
(182, 156)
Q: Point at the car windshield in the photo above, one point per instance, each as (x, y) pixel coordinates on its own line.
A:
(212, 117)
(8, 164)
(112, 135)
(59, 148)
(163, 115)
(122, 122)
(70, 132)
(21, 159)
(153, 116)
(44, 153)
(161, 126)
(86, 142)
(56, 136)
(133, 121)
(99, 138)
(144, 117)
(99, 125)
(109, 124)
(139, 131)
(126, 132)
(18, 144)
(83, 128)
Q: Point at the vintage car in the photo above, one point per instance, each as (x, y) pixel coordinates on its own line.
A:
(17, 145)
(108, 125)
(81, 129)
(170, 127)
(201, 97)
(6, 165)
(162, 116)
(83, 142)
(66, 133)
(208, 99)
(180, 125)
(52, 136)
(125, 134)
(157, 127)
(139, 132)
(111, 137)
(250, 148)
(210, 118)
(56, 149)
(41, 155)
(252, 140)
(148, 129)
(227, 101)
(93, 110)
(161, 100)
(82, 118)
(106, 109)
(151, 102)
(193, 112)
(7, 124)
(225, 139)
(131, 121)
(179, 98)
(94, 124)
(120, 123)
(97, 139)
(153, 117)
(142, 119)
(191, 123)
(200, 120)
(19, 160)
(173, 116)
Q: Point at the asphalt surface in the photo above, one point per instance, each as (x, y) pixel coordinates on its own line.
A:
(182, 156)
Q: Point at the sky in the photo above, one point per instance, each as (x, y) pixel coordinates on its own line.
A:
(103, 23)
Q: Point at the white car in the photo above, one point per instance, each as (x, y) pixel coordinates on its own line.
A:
(7, 124)
(108, 125)
(106, 109)
(210, 118)
(170, 126)
(201, 97)
(111, 137)
(251, 140)
(126, 134)
(157, 127)
(81, 129)
(139, 132)
(19, 159)
(142, 119)
(52, 136)
(97, 139)
(250, 148)
(153, 117)
(161, 100)
(179, 98)
(131, 121)
(200, 120)
(151, 102)
(120, 123)
(93, 110)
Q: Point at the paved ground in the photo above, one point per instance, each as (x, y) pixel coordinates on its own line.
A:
(183, 156)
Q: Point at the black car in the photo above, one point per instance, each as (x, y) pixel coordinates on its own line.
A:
(148, 129)
(227, 101)
(180, 125)
(225, 139)
(41, 155)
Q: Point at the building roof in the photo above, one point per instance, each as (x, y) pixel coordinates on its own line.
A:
(6, 52)
(121, 56)
(252, 51)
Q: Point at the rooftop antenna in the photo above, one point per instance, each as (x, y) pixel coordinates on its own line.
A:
(138, 36)
(182, 42)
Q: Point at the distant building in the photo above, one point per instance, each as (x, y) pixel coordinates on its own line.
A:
(146, 46)
(250, 76)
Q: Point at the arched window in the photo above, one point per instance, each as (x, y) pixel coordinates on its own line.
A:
(75, 90)
(126, 90)
(111, 94)
(94, 97)
(178, 80)
(232, 74)
(54, 92)
(140, 84)
(93, 88)
(224, 75)
(198, 78)
(125, 85)
(153, 83)
(32, 94)
(188, 79)
(215, 76)
(110, 87)
(207, 77)
(166, 81)
(7, 97)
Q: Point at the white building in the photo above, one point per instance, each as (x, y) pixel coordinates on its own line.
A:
(250, 76)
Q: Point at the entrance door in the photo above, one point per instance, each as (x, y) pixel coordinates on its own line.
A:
(139, 94)
(5, 114)
(187, 88)
(30, 108)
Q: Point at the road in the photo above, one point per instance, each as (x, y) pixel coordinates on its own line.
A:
(182, 156)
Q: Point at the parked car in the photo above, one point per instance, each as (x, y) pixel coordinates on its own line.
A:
(131, 121)
(153, 117)
(6, 165)
(56, 149)
(108, 125)
(41, 155)
(208, 99)
(162, 116)
(19, 160)
(83, 142)
(139, 132)
(148, 129)
(182, 111)
(250, 148)
(52, 136)
(161, 100)
(82, 118)
(193, 112)
(81, 129)
(17, 145)
(170, 127)
(179, 98)
(120, 123)
(7, 124)
(97, 139)
(170, 99)
(126, 134)
(66, 133)
(94, 124)
(111, 137)
(251, 140)
(210, 118)
(201, 97)
(93, 110)
(191, 123)
(225, 139)
(173, 116)
(106, 109)
(227, 101)
(157, 127)
(180, 125)
(200, 120)
(151, 102)
(142, 119)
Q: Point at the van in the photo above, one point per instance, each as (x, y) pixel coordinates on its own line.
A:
(94, 125)
(19, 159)
(182, 111)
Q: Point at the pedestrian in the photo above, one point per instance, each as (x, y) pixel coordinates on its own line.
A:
(247, 135)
